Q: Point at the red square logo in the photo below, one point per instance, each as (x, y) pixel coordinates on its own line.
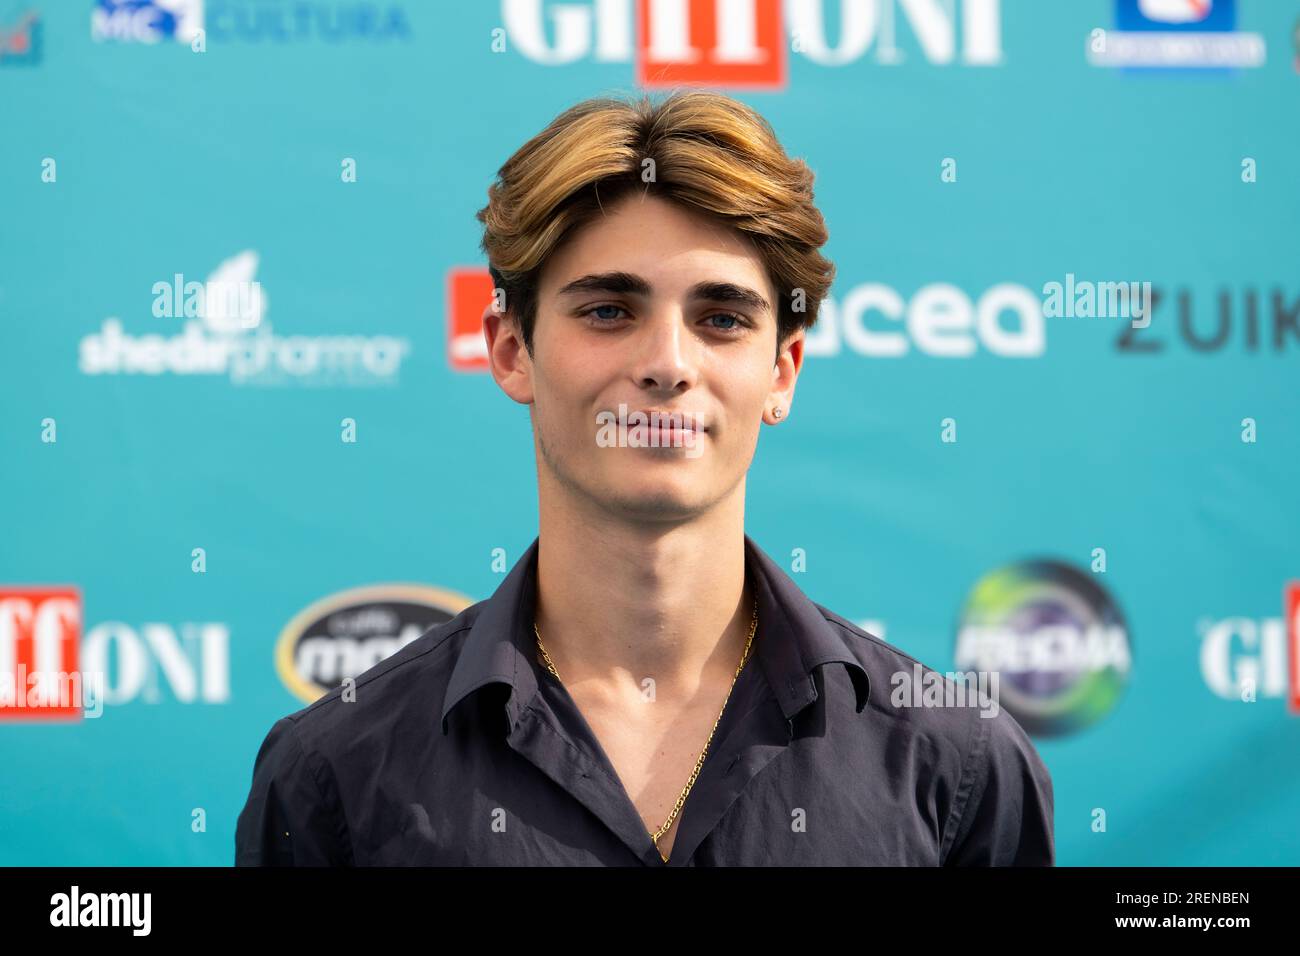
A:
(710, 43)
(40, 635)
(469, 290)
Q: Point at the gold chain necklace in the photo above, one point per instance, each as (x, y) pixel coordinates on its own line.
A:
(681, 800)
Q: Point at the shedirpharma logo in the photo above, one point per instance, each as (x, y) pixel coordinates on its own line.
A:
(1175, 34)
(1057, 639)
(225, 333)
(337, 638)
(745, 44)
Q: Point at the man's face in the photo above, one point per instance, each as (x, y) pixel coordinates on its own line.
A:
(688, 325)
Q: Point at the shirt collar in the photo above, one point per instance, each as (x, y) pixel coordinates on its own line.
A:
(792, 640)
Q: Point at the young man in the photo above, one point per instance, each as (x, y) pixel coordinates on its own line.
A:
(647, 686)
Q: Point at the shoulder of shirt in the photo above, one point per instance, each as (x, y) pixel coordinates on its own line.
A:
(864, 641)
(413, 677)
(977, 738)
(984, 755)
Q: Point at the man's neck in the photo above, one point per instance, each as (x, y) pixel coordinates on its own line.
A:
(619, 603)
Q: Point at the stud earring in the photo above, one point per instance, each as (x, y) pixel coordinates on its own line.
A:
(776, 412)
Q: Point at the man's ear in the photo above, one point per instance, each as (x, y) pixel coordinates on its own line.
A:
(785, 373)
(508, 360)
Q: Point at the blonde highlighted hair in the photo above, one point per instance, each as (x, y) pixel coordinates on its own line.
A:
(711, 154)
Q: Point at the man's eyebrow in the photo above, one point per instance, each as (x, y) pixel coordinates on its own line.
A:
(626, 283)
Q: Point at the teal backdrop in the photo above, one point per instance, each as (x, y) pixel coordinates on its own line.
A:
(1110, 511)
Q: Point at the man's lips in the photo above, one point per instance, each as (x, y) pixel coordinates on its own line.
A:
(650, 427)
(685, 433)
(670, 421)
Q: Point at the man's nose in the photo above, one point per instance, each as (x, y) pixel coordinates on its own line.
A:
(666, 355)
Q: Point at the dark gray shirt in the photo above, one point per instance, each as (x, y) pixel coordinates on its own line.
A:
(462, 749)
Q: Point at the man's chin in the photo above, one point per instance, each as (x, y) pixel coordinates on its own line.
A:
(654, 505)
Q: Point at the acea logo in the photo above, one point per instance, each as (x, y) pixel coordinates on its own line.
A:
(1057, 640)
(746, 44)
(345, 634)
(939, 319)
(218, 327)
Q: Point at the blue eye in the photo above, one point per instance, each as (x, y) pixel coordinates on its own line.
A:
(728, 315)
(604, 318)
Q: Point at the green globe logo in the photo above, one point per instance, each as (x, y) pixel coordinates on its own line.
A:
(1056, 639)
